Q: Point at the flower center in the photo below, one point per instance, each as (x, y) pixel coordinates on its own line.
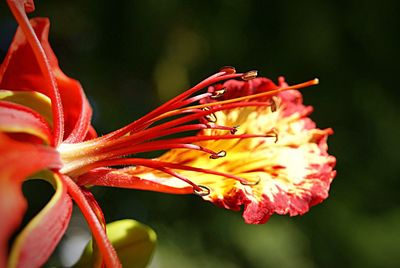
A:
(179, 116)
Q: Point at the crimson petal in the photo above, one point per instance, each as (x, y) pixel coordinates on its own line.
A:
(30, 249)
(20, 119)
(14, 168)
(21, 71)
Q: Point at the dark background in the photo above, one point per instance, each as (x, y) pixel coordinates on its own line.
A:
(131, 56)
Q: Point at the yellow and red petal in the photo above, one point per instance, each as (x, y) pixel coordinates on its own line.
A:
(19, 160)
(15, 118)
(29, 248)
(286, 176)
(21, 71)
(38, 102)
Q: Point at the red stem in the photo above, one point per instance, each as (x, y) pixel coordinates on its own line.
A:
(109, 254)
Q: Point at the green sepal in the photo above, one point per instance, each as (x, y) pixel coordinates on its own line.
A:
(133, 241)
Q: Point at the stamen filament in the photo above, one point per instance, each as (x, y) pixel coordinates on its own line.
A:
(259, 95)
(171, 104)
(195, 98)
(73, 168)
(97, 144)
(156, 164)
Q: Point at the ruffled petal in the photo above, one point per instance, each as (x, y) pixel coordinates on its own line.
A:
(19, 160)
(286, 176)
(29, 248)
(15, 118)
(31, 99)
(20, 71)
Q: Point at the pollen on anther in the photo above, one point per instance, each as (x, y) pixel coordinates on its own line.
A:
(212, 118)
(234, 129)
(273, 104)
(274, 133)
(203, 190)
(218, 93)
(220, 154)
(251, 183)
(249, 75)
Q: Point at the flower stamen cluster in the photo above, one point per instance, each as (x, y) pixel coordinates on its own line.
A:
(145, 135)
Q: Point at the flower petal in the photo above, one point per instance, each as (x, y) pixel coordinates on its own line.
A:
(125, 178)
(286, 176)
(14, 168)
(16, 74)
(29, 248)
(31, 99)
(15, 118)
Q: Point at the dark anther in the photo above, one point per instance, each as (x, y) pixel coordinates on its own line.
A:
(203, 191)
(274, 133)
(251, 183)
(228, 69)
(249, 75)
(218, 155)
(218, 93)
(234, 130)
(272, 104)
(212, 118)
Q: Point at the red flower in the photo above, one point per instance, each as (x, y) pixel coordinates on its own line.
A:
(276, 159)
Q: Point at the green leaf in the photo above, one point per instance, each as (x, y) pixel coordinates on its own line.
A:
(133, 241)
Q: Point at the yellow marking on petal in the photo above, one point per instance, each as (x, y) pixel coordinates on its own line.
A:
(282, 167)
(66, 206)
(32, 99)
(28, 130)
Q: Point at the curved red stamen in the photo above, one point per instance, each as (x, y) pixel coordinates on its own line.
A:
(75, 167)
(171, 104)
(108, 252)
(158, 165)
(176, 175)
(178, 143)
(195, 98)
(154, 131)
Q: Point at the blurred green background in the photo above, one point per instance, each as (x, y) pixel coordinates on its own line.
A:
(131, 56)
